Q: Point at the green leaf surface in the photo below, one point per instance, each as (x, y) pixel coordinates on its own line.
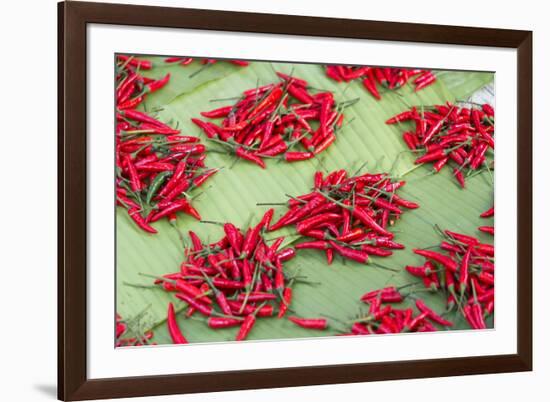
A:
(232, 195)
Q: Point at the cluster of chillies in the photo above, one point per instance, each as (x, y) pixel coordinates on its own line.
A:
(347, 215)
(386, 319)
(275, 119)
(232, 281)
(155, 166)
(122, 332)
(464, 274)
(184, 61)
(450, 134)
(385, 77)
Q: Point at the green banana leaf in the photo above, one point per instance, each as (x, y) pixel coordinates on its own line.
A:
(233, 193)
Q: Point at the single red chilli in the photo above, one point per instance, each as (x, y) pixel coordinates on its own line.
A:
(310, 223)
(221, 299)
(263, 311)
(440, 258)
(286, 254)
(459, 177)
(488, 109)
(310, 323)
(222, 322)
(424, 83)
(464, 271)
(487, 229)
(204, 309)
(220, 112)
(244, 154)
(370, 85)
(432, 315)
(227, 283)
(173, 328)
(490, 212)
(275, 150)
(318, 245)
(131, 103)
(120, 329)
(438, 165)
(487, 249)
(196, 241)
(234, 236)
(371, 250)
(413, 323)
(158, 84)
(298, 156)
(273, 97)
(421, 272)
(487, 278)
(330, 255)
(138, 219)
(364, 217)
(247, 273)
(192, 291)
(246, 327)
(352, 254)
(286, 299)
(257, 297)
(387, 291)
(142, 117)
(324, 144)
(207, 128)
(401, 117)
(180, 205)
(250, 241)
(477, 315)
(411, 140)
(431, 157)
(469, 240)
(360, 329)
(300, 93)
(293, 80)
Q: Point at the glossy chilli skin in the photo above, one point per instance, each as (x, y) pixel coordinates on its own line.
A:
(347, 215)
(156, 166)
(232, 282)
(281, 120)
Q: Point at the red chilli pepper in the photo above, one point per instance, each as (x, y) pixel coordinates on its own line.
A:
(246, 327)
(173, 328)
(310, 323)
(447, 262)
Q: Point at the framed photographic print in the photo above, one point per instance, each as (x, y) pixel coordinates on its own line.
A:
(253, 200)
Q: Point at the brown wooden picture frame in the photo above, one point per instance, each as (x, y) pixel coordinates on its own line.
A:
(73, 17)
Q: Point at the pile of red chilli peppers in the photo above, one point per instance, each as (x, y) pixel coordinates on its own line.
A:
(243, 276)
(449, 134)
(386, 78)
(156, 167)
(276, 119)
